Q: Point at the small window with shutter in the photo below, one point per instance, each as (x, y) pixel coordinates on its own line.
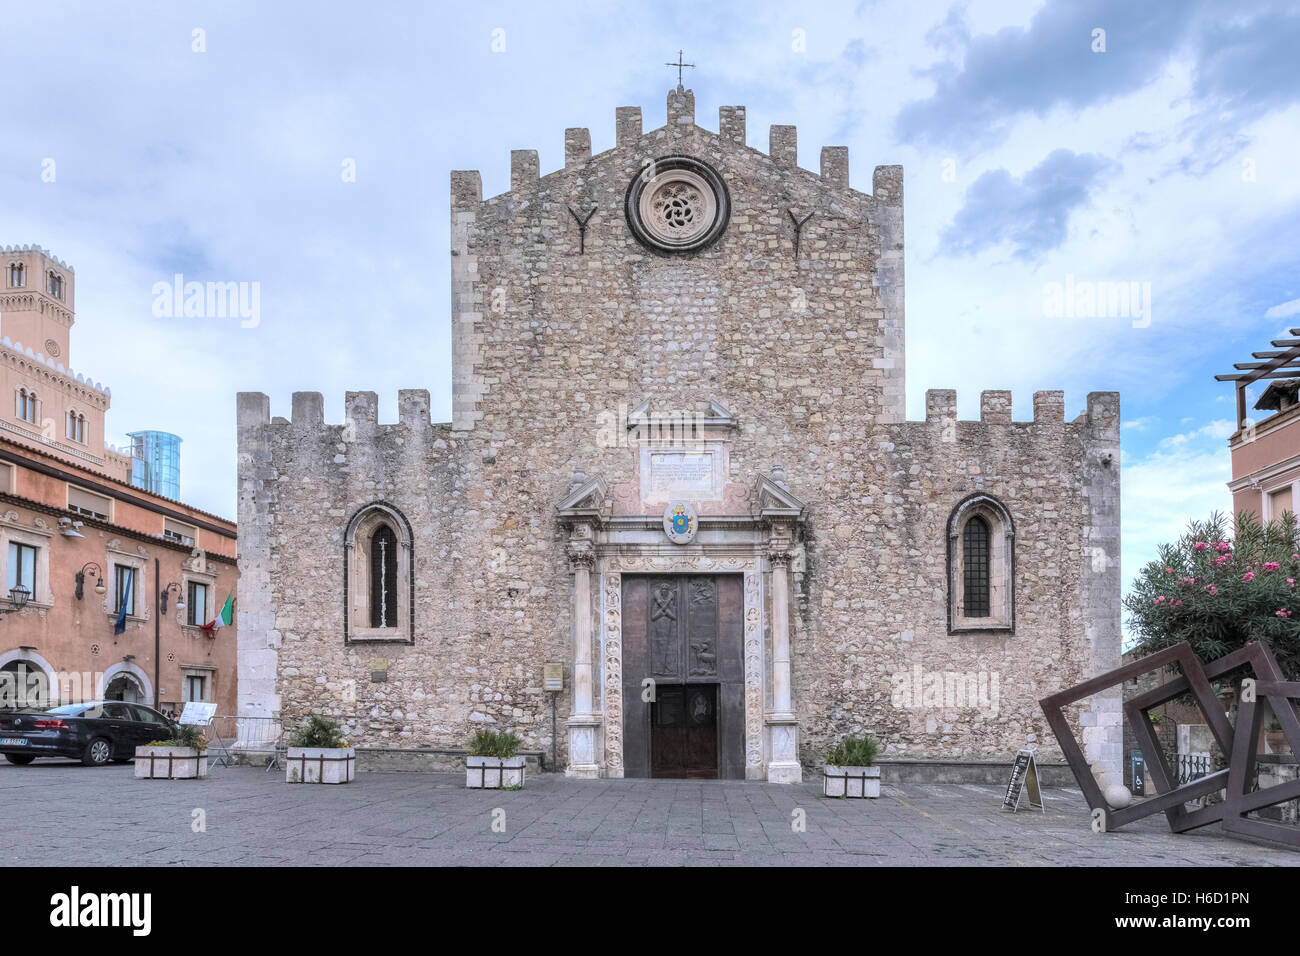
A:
(88, 503)
(180, 531)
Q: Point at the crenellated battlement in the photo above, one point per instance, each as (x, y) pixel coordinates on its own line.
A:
(39, 249)
(1101, 417)
(361, 410)
(525, 170)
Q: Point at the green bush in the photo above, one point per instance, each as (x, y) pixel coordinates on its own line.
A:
(490, 743)
(853, 752)
(319, 731)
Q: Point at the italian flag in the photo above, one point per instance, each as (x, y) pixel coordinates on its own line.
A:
(224, 617)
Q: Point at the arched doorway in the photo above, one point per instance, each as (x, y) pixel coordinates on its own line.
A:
(23, 684)
(125, 686)
(125, 681)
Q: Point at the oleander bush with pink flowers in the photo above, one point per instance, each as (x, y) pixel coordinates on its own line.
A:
(1219, 587)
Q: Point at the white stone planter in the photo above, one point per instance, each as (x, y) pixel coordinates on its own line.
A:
(320, 765)
(494, 773)
(851, 781)
(170, 763)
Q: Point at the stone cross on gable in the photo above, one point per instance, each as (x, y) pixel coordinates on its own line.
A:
(680, 65)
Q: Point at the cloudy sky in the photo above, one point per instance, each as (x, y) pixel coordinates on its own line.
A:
(1152, 144)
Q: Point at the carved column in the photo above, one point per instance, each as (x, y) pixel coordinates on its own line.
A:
(583, 721)
(783, 727)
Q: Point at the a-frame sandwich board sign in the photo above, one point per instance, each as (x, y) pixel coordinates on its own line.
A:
(1023, 782)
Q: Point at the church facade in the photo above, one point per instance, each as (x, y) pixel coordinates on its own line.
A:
(679, 467)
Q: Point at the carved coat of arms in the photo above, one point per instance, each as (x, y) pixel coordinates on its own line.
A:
(680, 522)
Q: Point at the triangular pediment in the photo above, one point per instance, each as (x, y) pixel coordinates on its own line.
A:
(586, 498)
(773, 500)
(711, 414)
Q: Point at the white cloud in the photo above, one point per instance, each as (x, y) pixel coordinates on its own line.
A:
(1283, 310)
(1141, 424)
(1220, 429)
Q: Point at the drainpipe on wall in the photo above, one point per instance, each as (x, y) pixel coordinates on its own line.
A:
(157, 634)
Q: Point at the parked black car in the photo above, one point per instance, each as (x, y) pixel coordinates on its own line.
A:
(95, 732)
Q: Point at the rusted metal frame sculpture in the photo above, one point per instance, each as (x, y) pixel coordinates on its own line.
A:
(1264, 667)
(1170, 798)
(1239, 742)
(1281, 696)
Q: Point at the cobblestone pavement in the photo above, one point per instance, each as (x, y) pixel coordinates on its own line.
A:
(73, 815)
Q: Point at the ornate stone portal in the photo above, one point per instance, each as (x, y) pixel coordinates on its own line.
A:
(760, 546)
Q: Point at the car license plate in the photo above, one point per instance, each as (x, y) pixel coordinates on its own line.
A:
(13, 741)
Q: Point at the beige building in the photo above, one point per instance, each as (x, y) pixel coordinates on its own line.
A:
(79, 543)
(679, 466)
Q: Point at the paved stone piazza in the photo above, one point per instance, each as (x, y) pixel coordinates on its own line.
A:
(255, 819)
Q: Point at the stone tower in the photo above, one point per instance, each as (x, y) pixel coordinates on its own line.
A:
(53, 407)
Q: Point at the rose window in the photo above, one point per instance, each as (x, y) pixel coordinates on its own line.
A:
(677, 204)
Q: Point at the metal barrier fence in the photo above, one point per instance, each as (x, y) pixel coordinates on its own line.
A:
(231, 736)
(1188, 767)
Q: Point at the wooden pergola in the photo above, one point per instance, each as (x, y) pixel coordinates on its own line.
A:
(1282, 361)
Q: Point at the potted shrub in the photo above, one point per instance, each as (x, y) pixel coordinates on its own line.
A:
(850, 769)
(318, 753)
(182, 757)
(493, 762)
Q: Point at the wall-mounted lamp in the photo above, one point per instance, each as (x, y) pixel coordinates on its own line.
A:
(17, 599)
(162, 597)
(81, 578)
(70, 527)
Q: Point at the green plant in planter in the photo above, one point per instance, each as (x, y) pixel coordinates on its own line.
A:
(319, 731)
(483, 744)
(187, 735)
(853, 752)
(490, 743)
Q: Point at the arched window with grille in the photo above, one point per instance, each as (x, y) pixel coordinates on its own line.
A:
(981, 566)
(379, 568)
(17, 279)
(975, 567)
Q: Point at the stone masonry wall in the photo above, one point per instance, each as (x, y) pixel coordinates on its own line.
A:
(553, 346)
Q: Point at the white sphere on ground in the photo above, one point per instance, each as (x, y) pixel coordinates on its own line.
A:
(1118, 795)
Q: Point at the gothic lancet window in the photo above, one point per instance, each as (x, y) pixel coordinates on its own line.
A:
(379, 571)
(981, 566)
(383, 577)
(975, 567)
